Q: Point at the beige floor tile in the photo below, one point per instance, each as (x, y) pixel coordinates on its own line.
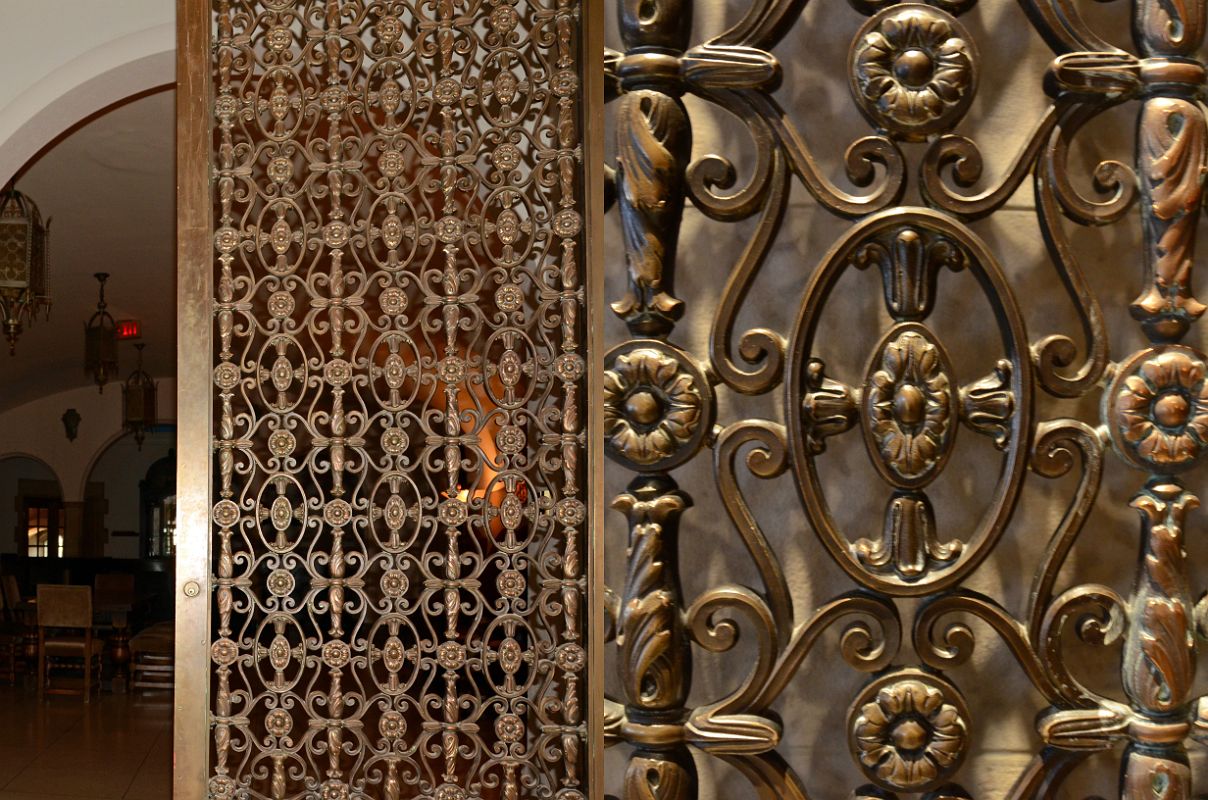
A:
(118, 746)
(153, 781)
(13, 760)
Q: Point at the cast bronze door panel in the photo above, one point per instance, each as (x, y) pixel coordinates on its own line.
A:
(919, 605)
(396, 586)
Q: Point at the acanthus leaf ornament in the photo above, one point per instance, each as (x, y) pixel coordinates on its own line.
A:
(1172, 140)
(908, 544)
(828, 409)
(910, 260)
(987, 405)
(654, 144)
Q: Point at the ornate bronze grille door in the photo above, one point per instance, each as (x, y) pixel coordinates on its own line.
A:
(919, 412)
(390, 375)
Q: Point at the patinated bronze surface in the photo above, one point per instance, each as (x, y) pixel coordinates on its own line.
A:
(913, 70)
(399, 550)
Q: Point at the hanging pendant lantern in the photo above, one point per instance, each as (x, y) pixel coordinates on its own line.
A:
(24, 277)
(100, 341)
(138, 401)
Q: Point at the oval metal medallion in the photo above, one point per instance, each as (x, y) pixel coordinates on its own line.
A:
(282, 374)
(392, 231)
(281, 513)
(802, 383)
(395, 513)
(279, 653)
(393, 654)
(510, 656)
(510, 511)
(394, 371)
(910, 407)
(509, 369)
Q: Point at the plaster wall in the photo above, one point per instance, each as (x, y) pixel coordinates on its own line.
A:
(36, 429)
(67, 59)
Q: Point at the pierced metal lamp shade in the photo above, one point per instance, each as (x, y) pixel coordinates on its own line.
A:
(138, 402)
(24, 275)
(100, 341)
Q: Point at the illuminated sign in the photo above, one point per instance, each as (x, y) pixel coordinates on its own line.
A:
(129, 329)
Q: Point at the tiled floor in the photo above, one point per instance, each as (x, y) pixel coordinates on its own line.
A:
(118, 746)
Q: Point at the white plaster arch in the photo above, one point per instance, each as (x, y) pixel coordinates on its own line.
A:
(97, 453)
(96, 78)
(35, 428)
(6, 456)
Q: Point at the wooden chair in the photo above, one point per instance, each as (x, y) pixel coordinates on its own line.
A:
(154, 657)
(12, 595)
(65, 635)
(19, 613)
(12, 641)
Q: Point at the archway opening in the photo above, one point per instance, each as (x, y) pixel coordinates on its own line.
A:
(106, 182)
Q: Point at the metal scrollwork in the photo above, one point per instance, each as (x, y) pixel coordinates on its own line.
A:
(400, 558)
(913, 71)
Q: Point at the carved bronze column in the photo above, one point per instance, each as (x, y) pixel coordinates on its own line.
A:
(654, 141)
(649, 408)
(656, 664)
(1159, 408)
(1171, 162)
(1155, 406)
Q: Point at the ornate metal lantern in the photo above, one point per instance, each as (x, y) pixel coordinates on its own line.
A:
(100, 341)
(24, 277)
(138, 401)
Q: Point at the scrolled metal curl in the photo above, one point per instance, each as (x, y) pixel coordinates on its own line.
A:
(1103, 615)
(712, 623)
(768, 460)
(964, 158)
(945, 646)
(869, 643)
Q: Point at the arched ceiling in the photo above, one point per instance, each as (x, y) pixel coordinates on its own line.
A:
(109, 189)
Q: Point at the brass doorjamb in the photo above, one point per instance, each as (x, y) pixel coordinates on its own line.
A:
(194, 414)
(593, 155)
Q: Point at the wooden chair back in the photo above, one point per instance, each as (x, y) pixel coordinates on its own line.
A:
(62, 606)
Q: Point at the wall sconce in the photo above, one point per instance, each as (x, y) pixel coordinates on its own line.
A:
(71, 423)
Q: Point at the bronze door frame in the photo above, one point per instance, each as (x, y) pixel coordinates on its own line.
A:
(191, 735)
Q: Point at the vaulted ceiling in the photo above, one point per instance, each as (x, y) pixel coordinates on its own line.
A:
(109, 188)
